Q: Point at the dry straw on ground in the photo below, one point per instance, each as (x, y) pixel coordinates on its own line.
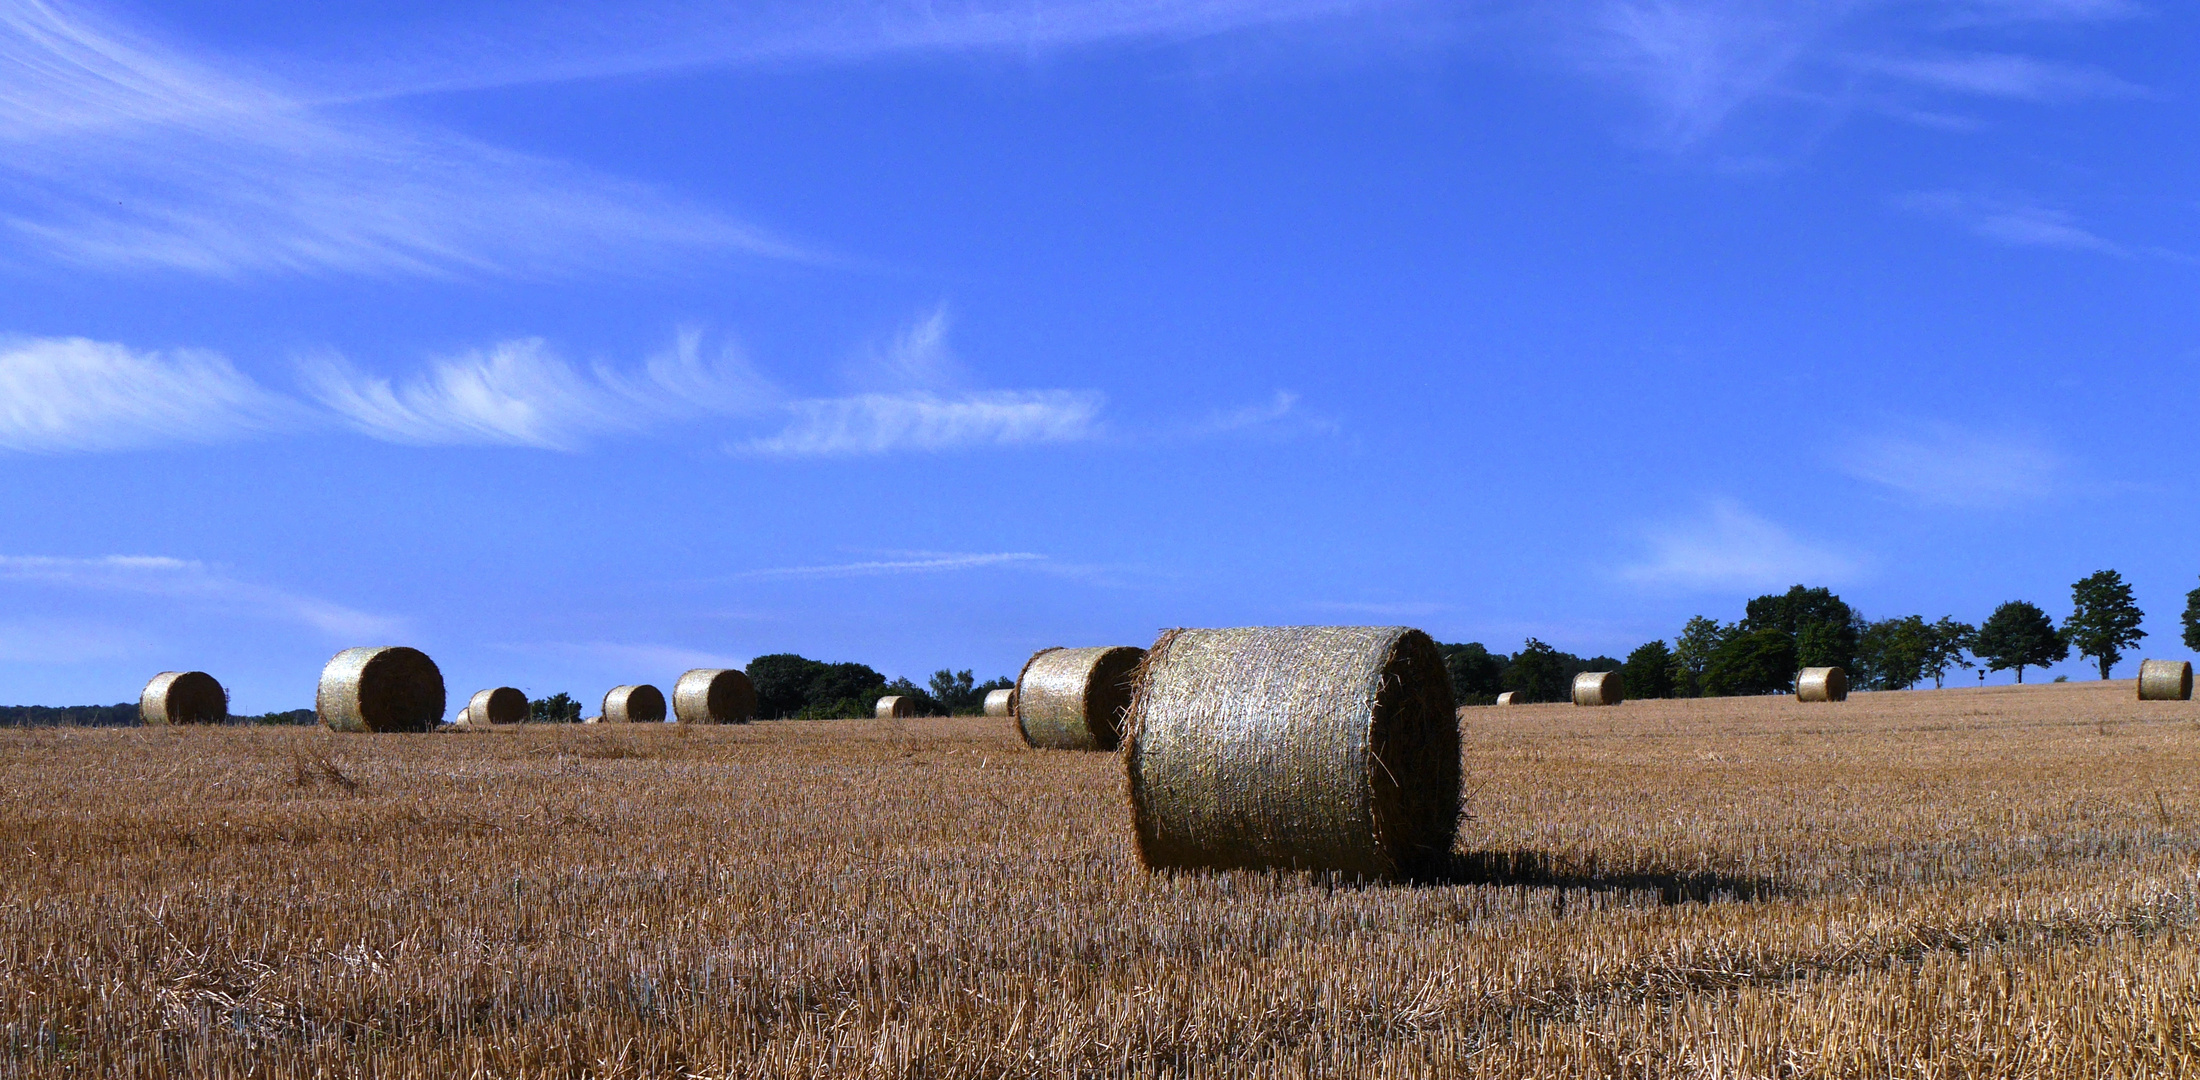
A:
(502, 705)
(714, 696)
(1510, 697)
(380, 690)
(1074, 699)
(637, 704)
(1598, 688)
(895, 706)
(1312, 748)
(183, 697)
(1822, 684)
(1000, 702)
(2165, 680)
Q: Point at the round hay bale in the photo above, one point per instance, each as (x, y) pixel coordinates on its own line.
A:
(2159, 680)
(1510, 697)
(1000, 702)
(1074, 699)
(1330, 748)
(380, 690)
(503, 705)
(1598, 688)
(714, 696)
(1822, 684)
(895, 705)
(638, 704)
(183, 697)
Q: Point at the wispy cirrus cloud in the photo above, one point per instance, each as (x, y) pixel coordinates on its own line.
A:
(1728, 547)
(924, 421)
(2011, 222)
(194, 582)
(73, 394)
(928, 562)
(1946, 465)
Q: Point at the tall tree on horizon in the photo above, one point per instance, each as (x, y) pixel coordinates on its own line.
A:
(2192, 620)
(2104, 618)
(1945, 646)
(2019, 635)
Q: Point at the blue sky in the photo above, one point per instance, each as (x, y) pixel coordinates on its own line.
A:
(579, 345)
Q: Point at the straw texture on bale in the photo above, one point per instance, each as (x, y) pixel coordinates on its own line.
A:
(1509, 697)
(895, 705)
(2165, 680)
(1074, 699)
(381, 690)
(639, 704)
(714, 696)
(1000, 702)
(1328, 748)
(183, 697)
(1598, 688)
(1822, 684)
(503, 705)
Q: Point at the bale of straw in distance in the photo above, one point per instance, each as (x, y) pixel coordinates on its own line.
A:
(1000, 702)
(1598, 688)
(1074, 699)
(714, 696)
(896, 705)
(1327, 748)
(2165, 680)
(183, 697)
(380, 689)
(503, 705)
(1509, 697)
(638, 704)
(1822, 684)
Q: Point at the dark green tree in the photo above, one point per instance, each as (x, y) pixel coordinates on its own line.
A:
(1945, 643)
(958, 695)
(2104, 619)
(1752, 662)
(2019, 635)
(1890, 655)
(1648, 672)
(558, 708)
(1537, 673)
(1477, 674)
(2192, 620)
(1693, 652)
(1825, 629)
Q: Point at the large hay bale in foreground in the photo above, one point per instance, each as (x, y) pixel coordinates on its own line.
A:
(502, 705)
(380, 690)
(183, 697)
(1598, 688)
(1510, 697)
(1000, 702)
(714, 696)
(1822, 684)
(1074, 699)
(894, 706)
(2165, 680)
(638, 704)
(1311, 748)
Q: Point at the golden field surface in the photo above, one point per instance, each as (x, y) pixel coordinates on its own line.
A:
(1959, 883)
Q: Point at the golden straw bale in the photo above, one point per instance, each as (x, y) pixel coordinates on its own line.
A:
(2165, 680)
(714, 696)
(1510, 697)
(503, 705)
(1074, 699)
(380, 690)
(1598, 688)
(896, 705)
(1000, 702)
(1822, 684)
(1329, 748)
(636, 704)
(183, 697)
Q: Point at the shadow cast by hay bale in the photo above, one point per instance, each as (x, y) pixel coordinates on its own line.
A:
(1534, 869)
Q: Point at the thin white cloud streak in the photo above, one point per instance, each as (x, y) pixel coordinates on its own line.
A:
(117, 151)
(1728, 547)
(1944, 465)
(76, 395)
(867, 424)
(2006, 76)
(1281, 414)
(926, 563)
(631, 656)
(192, 581)
(2011, 223)
(917, 358)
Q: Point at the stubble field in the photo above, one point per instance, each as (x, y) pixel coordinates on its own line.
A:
(1962, 883)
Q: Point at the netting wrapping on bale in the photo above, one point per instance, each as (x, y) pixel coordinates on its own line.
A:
(501, 705)
(2165, 680)
(1598, 688)
(637, 704)
(380, 690)
(1000, 702)
(1074, 699)
(714, 696)
(1328, 748)
(183, 697)
(896, 705)
(1822, 684)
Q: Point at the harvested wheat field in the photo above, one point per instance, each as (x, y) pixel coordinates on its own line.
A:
(1963, 883)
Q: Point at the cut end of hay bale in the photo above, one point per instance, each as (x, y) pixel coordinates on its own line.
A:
(183, 697)
(380, 690)
(714, 696)
(502, 705)
(1074, 699)
(1598, 688)
(1327, 748)
(2165, 680)
(894, 706)
(1509, 697)
(1822, 684)
(1000, 702)
(637, 704)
